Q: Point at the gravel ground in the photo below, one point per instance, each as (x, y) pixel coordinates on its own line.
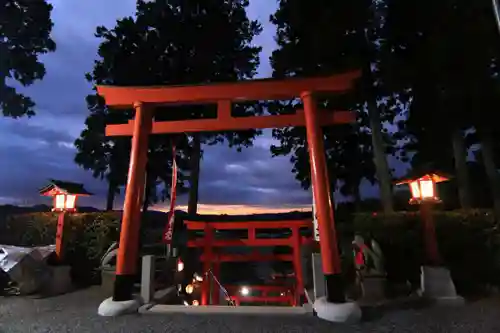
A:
(76, 312)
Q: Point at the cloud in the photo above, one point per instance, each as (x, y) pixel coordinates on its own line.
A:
(250, 177)
(27, 168)
(31, 131)
(33, 150)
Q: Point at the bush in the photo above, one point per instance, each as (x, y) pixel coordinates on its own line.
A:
(86, 237)
(469, 242)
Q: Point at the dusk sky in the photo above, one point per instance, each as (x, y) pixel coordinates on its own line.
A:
(34, 150)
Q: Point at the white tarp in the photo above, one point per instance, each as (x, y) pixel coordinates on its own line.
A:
(26, 266)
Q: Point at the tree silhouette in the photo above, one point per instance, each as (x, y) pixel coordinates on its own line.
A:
(321, 38)
(172, 43)
(106, 158)
(25, 27)
(443, 54)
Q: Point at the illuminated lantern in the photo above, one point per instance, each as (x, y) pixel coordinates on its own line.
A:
(436, 281)
(423, 187)
(423, 192)
(64, 195)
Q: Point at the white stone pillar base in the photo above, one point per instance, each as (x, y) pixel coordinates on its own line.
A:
(348, 312)
(110, 308)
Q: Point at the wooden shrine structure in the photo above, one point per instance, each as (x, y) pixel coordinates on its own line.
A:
(145, 99)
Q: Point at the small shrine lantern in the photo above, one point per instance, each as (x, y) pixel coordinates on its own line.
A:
(423, 191)
(423, 186)
(65, 194)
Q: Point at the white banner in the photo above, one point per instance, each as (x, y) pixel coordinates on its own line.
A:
(315, 218)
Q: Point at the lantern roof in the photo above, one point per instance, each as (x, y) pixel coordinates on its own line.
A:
(424, 173)
(63, 187)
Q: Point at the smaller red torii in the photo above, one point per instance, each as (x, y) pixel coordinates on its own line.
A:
(212, 259)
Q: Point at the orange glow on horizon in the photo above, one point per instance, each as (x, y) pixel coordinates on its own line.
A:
(208, 209)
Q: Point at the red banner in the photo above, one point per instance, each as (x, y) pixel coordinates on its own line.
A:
(169, 229)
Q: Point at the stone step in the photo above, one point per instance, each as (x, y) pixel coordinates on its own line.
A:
(217, 309)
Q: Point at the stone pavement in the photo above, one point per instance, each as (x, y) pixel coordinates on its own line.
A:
(76, 312)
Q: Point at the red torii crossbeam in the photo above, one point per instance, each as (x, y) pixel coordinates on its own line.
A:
(251, 90)
(144, 99)
(226, 123)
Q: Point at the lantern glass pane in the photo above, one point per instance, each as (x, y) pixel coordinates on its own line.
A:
(415, 190)
(427, 188)
(60, 200)
(70, 201)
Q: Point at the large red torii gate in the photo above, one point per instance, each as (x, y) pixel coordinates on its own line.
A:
(144, 99)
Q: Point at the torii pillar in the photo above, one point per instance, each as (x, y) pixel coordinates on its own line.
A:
(333, 307)
(129, 235)
(324, 204)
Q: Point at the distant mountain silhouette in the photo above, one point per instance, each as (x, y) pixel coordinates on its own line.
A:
(158, 219)
(6, 210)
(295, 215)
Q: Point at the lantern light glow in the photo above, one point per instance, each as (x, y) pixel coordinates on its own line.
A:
(427, 189)
(245, 291)
(180, 266)
(415, 189)
(70, 201)
(422, 189)
(64, 202)
(189, 289)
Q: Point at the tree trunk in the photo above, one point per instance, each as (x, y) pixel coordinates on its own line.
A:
(460, 157)
(379, 157)
(491, 171)
(110, 200)
(194, 176)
